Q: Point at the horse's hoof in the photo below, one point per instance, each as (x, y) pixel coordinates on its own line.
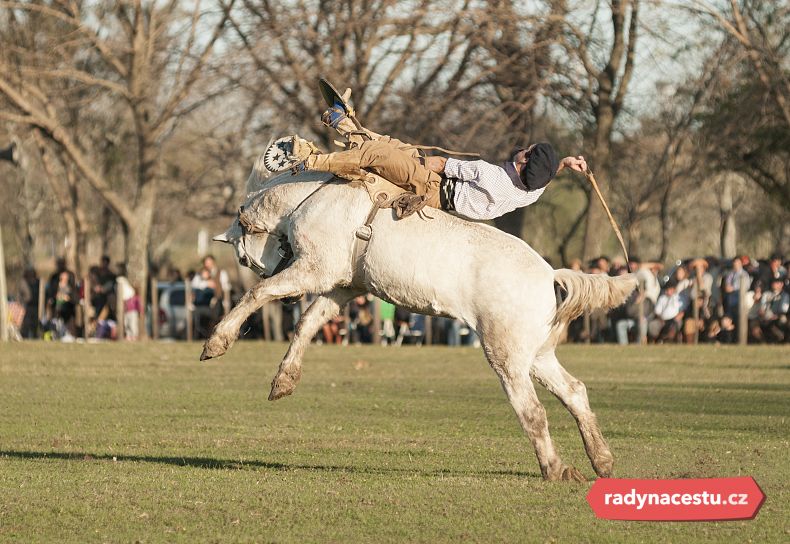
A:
(281, 388)
(214, 347)
(604, 467)
(571, 474)
(284, 384)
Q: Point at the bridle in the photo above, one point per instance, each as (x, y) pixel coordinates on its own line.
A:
(285, 251)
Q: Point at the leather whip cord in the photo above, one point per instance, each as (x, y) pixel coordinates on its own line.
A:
(594, 184)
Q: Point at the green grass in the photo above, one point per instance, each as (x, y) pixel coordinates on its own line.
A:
(125, 443)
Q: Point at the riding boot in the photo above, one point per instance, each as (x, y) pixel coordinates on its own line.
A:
(345, 164)
(357, 135)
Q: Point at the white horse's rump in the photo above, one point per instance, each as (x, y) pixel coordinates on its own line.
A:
(441, 266)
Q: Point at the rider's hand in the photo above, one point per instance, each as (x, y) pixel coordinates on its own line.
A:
(574, 163)
(435, 164)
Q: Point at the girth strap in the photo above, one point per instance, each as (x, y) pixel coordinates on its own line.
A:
(365, 232)
(404, 205)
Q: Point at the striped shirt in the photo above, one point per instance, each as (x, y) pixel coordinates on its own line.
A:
(485, 190)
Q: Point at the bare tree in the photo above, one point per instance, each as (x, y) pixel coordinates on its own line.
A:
(140, 61)
(761, 29)
(411, 65)
(663, 154)
(747, 123)
(597, 93)
(63, 181)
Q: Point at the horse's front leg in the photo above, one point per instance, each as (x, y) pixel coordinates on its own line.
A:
(322, 309)
(294, 281)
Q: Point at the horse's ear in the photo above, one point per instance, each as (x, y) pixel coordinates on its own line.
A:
(222, 238)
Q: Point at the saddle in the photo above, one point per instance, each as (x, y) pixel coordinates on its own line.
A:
(385, 194)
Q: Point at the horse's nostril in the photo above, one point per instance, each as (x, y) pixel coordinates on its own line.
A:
(244, 261)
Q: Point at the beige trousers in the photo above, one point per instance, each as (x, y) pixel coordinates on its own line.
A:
(395, 160)
(390, 159)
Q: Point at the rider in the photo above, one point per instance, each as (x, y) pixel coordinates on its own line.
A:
(476, 190)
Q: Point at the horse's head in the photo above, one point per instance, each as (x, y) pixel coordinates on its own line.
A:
(260, 251)
(257, 232)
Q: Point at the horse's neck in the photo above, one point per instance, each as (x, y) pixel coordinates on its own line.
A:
(278, 197)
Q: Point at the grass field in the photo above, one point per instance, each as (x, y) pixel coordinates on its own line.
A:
(125, 443)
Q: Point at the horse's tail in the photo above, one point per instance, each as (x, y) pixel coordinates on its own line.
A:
(585, 292)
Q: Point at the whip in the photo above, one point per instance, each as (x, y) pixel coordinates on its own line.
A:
(591, 178)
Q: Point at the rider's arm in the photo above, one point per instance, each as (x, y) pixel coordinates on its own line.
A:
(463, 170)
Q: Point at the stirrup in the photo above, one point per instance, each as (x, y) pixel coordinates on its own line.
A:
(288, 153)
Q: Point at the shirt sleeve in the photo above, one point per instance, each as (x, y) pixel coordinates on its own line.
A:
(463, 170)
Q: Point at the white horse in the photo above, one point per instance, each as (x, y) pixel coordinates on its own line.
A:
(442, 266)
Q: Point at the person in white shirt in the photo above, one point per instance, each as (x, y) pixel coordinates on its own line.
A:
(476, 190)
(668, 314)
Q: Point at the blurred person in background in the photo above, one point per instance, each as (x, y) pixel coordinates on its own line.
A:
(753, 317)
(387, 311)
(647, 276)
(773, 270)
(173, 274)
(627, 318)
(668, 315)
(221, 280)
(54, 281)
(65, 305)
(726, 331)
(683, 284)
(603, 264)
(773, 311)
(702, 286)
(104, 287)
(360, 320)
(599, 318)
(731, 286)
(204, 288)
(332, 331)
(131, 305)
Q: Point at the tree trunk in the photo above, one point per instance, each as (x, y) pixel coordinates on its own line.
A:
(728, 234)
(782, 245)
(104, 230)
(137, 246)
(137, 264)
(634, 231)
(612, 87)
(80, 225)
(566, 240)
(68, 203)
(666, 221)
(597, 226)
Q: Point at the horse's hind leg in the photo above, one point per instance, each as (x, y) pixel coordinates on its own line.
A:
(513, 372)
(294, 281)
(548, 371)
(320, 311)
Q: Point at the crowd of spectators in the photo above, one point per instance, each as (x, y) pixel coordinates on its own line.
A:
(695, 300)
(68, 312)
(396, 326)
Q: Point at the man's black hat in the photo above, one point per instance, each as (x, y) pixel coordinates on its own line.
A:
(541, 167)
